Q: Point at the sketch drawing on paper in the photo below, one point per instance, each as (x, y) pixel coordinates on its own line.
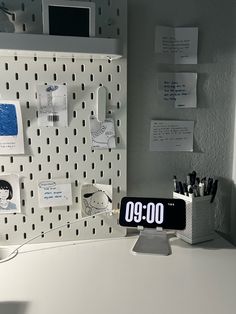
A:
(9, 194)
(6, 194)
(96, 199)
(102, 133)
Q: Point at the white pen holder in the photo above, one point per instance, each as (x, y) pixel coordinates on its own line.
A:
(200, 219)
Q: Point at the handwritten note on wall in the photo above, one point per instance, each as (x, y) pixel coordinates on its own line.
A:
(169, 135)
(178, 89)
(176, 44)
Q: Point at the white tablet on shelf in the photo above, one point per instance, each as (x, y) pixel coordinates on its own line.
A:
(68, 18)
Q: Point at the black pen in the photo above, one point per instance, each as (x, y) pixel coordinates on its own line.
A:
(193, 177)
(181, 189)
(214, 190)
(190, 192)
(209, 186)
(196, 191)
(185, 186)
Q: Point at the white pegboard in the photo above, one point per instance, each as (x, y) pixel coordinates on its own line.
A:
(52, 153)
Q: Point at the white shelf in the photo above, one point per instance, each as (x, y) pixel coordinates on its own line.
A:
(59, 46)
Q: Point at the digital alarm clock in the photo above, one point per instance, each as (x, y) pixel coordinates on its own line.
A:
(153, 212)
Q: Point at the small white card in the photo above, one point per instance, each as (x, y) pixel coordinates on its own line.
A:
(170, 135)
(52, 103)
(53, 193)
(178, 89)
(9, 194)
(102, 133)
(176, 45)
(11, 128)
(95, 198)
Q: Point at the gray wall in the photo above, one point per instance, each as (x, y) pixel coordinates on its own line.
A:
(150, 173)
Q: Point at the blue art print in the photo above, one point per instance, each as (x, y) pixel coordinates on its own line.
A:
(8, 120)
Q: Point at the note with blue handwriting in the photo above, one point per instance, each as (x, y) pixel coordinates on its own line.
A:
(53, 193)
(176, 45)
(178, 89)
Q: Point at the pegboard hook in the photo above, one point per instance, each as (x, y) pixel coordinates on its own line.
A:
(101, 103)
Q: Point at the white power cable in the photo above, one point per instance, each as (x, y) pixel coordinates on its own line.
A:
(15, 251)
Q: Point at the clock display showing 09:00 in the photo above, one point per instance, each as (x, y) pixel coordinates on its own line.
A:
(150, 212)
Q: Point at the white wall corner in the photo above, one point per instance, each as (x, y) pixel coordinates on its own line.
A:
(233, 194)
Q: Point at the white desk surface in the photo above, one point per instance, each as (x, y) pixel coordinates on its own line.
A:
(103, 277)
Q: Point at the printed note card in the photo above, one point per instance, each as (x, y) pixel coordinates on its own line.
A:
(176, 45)
(178, 89)
(53, 193)
(170, 135)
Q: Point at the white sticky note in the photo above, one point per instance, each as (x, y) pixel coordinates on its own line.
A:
(178, 89)
(176, 45)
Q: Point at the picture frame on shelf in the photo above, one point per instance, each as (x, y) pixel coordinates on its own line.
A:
(68, 18)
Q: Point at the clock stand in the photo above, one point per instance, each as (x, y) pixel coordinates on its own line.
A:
(152, 241)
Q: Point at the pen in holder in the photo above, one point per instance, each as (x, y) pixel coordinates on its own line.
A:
(200, 219)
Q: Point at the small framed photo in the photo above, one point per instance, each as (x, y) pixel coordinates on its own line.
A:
(69, 18)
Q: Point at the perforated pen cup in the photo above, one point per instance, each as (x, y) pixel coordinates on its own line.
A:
(200, 219)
